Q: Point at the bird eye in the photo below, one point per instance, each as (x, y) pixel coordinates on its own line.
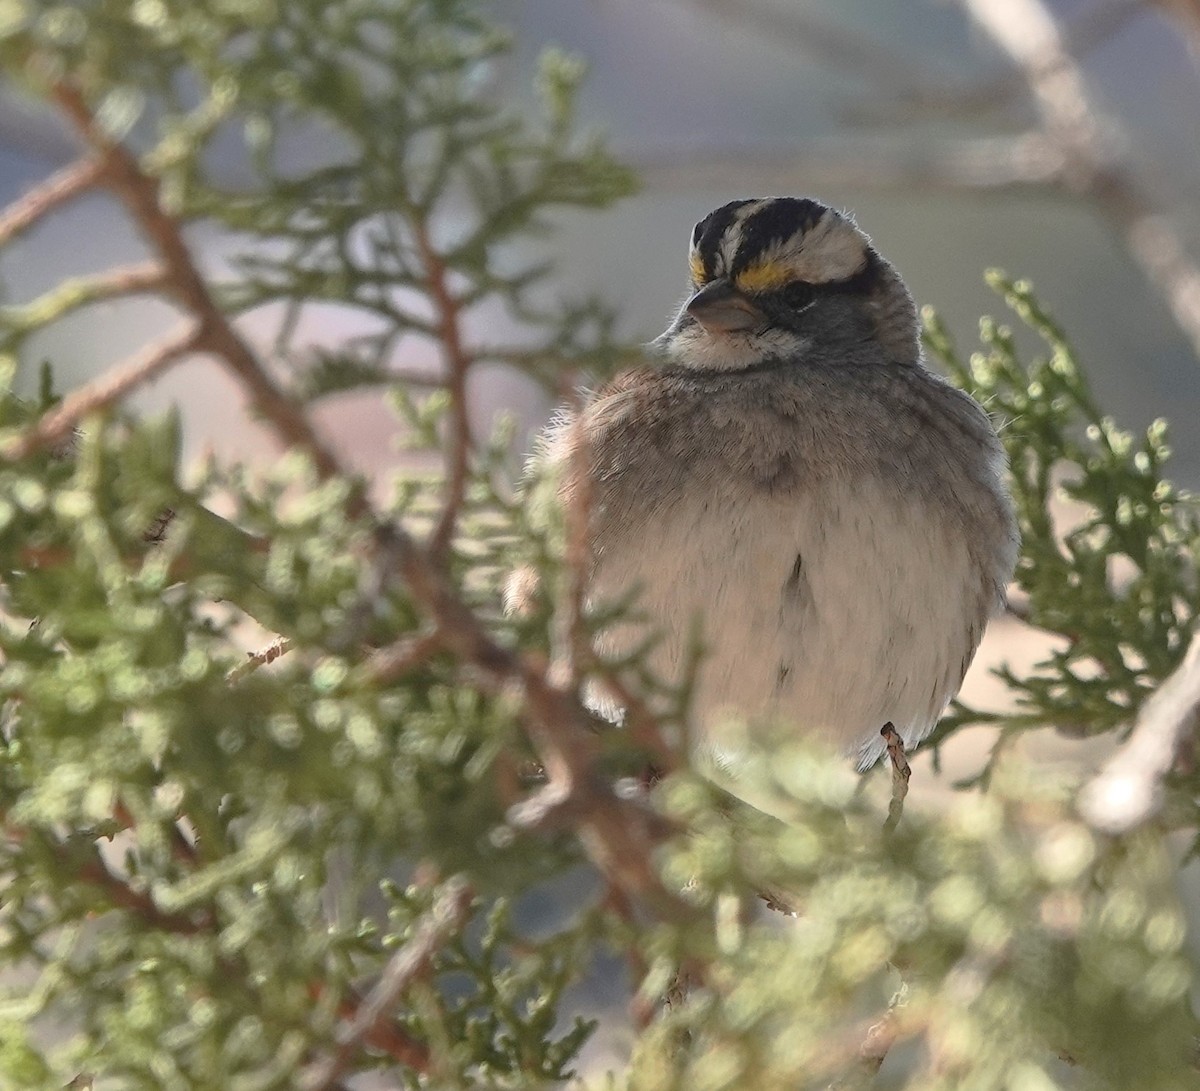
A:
(799, 294)
(696, 233)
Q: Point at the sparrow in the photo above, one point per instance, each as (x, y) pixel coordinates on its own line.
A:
(785, 477)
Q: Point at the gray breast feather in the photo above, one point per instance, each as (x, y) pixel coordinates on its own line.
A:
(840, 533)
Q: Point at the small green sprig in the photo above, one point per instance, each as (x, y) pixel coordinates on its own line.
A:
(1109, 558)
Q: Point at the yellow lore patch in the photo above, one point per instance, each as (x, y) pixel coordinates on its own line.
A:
(765, 277)
(696, 267)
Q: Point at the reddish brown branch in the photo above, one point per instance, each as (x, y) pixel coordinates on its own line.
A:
(215, 334)
(458, 362)
(58, 423)
(619, 835)
(122, 896)
(56, 190)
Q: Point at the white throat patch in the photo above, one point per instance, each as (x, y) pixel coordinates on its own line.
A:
(693, 346)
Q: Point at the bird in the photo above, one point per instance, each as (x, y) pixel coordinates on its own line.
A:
(784, 475)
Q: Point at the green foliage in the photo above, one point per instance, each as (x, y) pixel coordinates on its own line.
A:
(1111, 546)
(170, 832)
(1013, 933)
(360, 144)
(211, 866)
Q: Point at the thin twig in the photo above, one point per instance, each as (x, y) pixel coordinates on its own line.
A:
(457, 364)
(443, 921)
(618, 835)
(44, 198)
(59, 422)
(76, 292)
(1129, 789)
(901, 774)
(260, 659)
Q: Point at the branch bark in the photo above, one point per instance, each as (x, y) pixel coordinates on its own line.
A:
(619, 835)
(44, 198)
(458, 362)
(76, 292)
(1128, 791)
(214, 333)
(61, 421)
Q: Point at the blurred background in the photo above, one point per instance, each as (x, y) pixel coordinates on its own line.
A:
(1057, 139)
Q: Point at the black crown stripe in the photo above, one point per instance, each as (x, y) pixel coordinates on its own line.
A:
(709, 232)
(779, 219)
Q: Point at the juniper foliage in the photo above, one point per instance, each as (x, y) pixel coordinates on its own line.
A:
(395, 844)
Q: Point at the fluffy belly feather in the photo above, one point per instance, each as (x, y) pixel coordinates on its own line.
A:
(828, 614)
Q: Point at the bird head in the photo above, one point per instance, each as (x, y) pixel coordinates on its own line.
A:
(779, 278)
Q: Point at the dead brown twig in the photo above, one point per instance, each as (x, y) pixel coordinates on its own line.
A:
(254, 660)
(901, 774)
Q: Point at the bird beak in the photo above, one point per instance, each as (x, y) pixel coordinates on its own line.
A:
(720, 308)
